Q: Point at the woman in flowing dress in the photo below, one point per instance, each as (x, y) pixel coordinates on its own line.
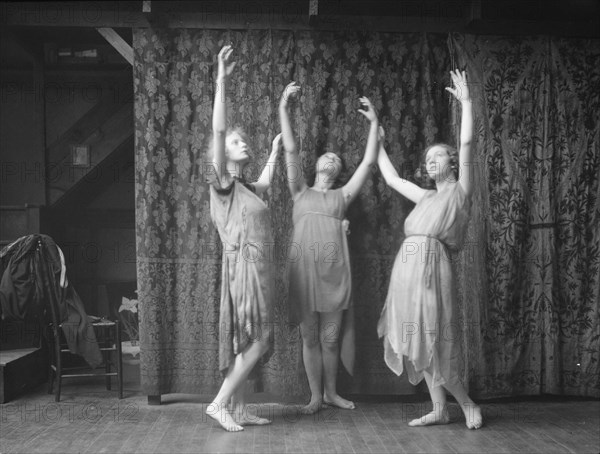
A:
(418, 322)
(320, 284)
(247, 287)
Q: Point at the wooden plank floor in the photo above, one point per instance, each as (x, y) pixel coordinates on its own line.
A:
(90, 419)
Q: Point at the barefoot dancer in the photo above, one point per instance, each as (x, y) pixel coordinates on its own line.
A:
(418, 322)
(320, 282)
(242, 219)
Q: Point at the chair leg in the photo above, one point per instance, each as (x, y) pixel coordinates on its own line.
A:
(51, 376)
(57, 394)
(107, 369)
(119, 353)
(52, 353)
(58, 364)
(58, 375)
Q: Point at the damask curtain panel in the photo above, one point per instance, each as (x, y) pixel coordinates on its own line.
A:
(178, 248)
(538, 131)
(529, 272)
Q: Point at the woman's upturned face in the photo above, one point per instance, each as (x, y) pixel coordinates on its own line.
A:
(330, 165)
(438, 162)
(237, 149)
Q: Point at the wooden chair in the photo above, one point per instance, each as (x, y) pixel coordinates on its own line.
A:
(108, 335)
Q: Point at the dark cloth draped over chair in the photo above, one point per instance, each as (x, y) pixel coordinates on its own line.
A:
(33, 279)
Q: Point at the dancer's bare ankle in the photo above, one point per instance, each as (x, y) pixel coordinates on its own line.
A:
(219, 413)
(437, 416)
(335, 400)
(315, 405)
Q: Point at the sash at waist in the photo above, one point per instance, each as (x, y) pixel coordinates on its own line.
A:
(320, 213)
(431, 237)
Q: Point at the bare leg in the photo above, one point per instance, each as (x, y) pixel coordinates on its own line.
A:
(313, 362)
(237, 374)
(439, 414)
(329, 332)
(472, 412)
(241, 412)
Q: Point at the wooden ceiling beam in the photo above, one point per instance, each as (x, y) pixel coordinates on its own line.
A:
(131, 15)
(120, 45)
(72, 14)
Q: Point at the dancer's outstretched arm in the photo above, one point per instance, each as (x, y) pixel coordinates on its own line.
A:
(226, 65)
(407, 188)
(296, 180)
(354, 185)
(461, 92)
(266, 177)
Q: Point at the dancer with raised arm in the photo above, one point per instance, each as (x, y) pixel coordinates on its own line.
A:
(320, 284)
(247, 287)
(418, 323)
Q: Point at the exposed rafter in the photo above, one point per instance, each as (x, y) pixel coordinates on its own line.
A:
(118, 43)
(463, 16)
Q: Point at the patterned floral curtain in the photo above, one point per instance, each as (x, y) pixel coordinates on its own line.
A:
(536, 217)
(178, 251)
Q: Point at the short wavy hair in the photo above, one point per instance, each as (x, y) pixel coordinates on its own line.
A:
(421, 174)
(234, 129)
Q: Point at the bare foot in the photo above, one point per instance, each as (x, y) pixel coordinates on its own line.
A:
(338, 401)
(473, 416)
(222, 416)
(245, 418)
(312, 407)
(432, 418)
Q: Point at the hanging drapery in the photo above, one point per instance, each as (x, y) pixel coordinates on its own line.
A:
(537, 108)
(178, 254)
(178, 251)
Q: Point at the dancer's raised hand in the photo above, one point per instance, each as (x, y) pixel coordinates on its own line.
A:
(226, 63)
(289, 92)
(460, 90)
(367, 109)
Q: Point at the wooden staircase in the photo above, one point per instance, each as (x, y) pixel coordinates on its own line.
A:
(106, 129)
